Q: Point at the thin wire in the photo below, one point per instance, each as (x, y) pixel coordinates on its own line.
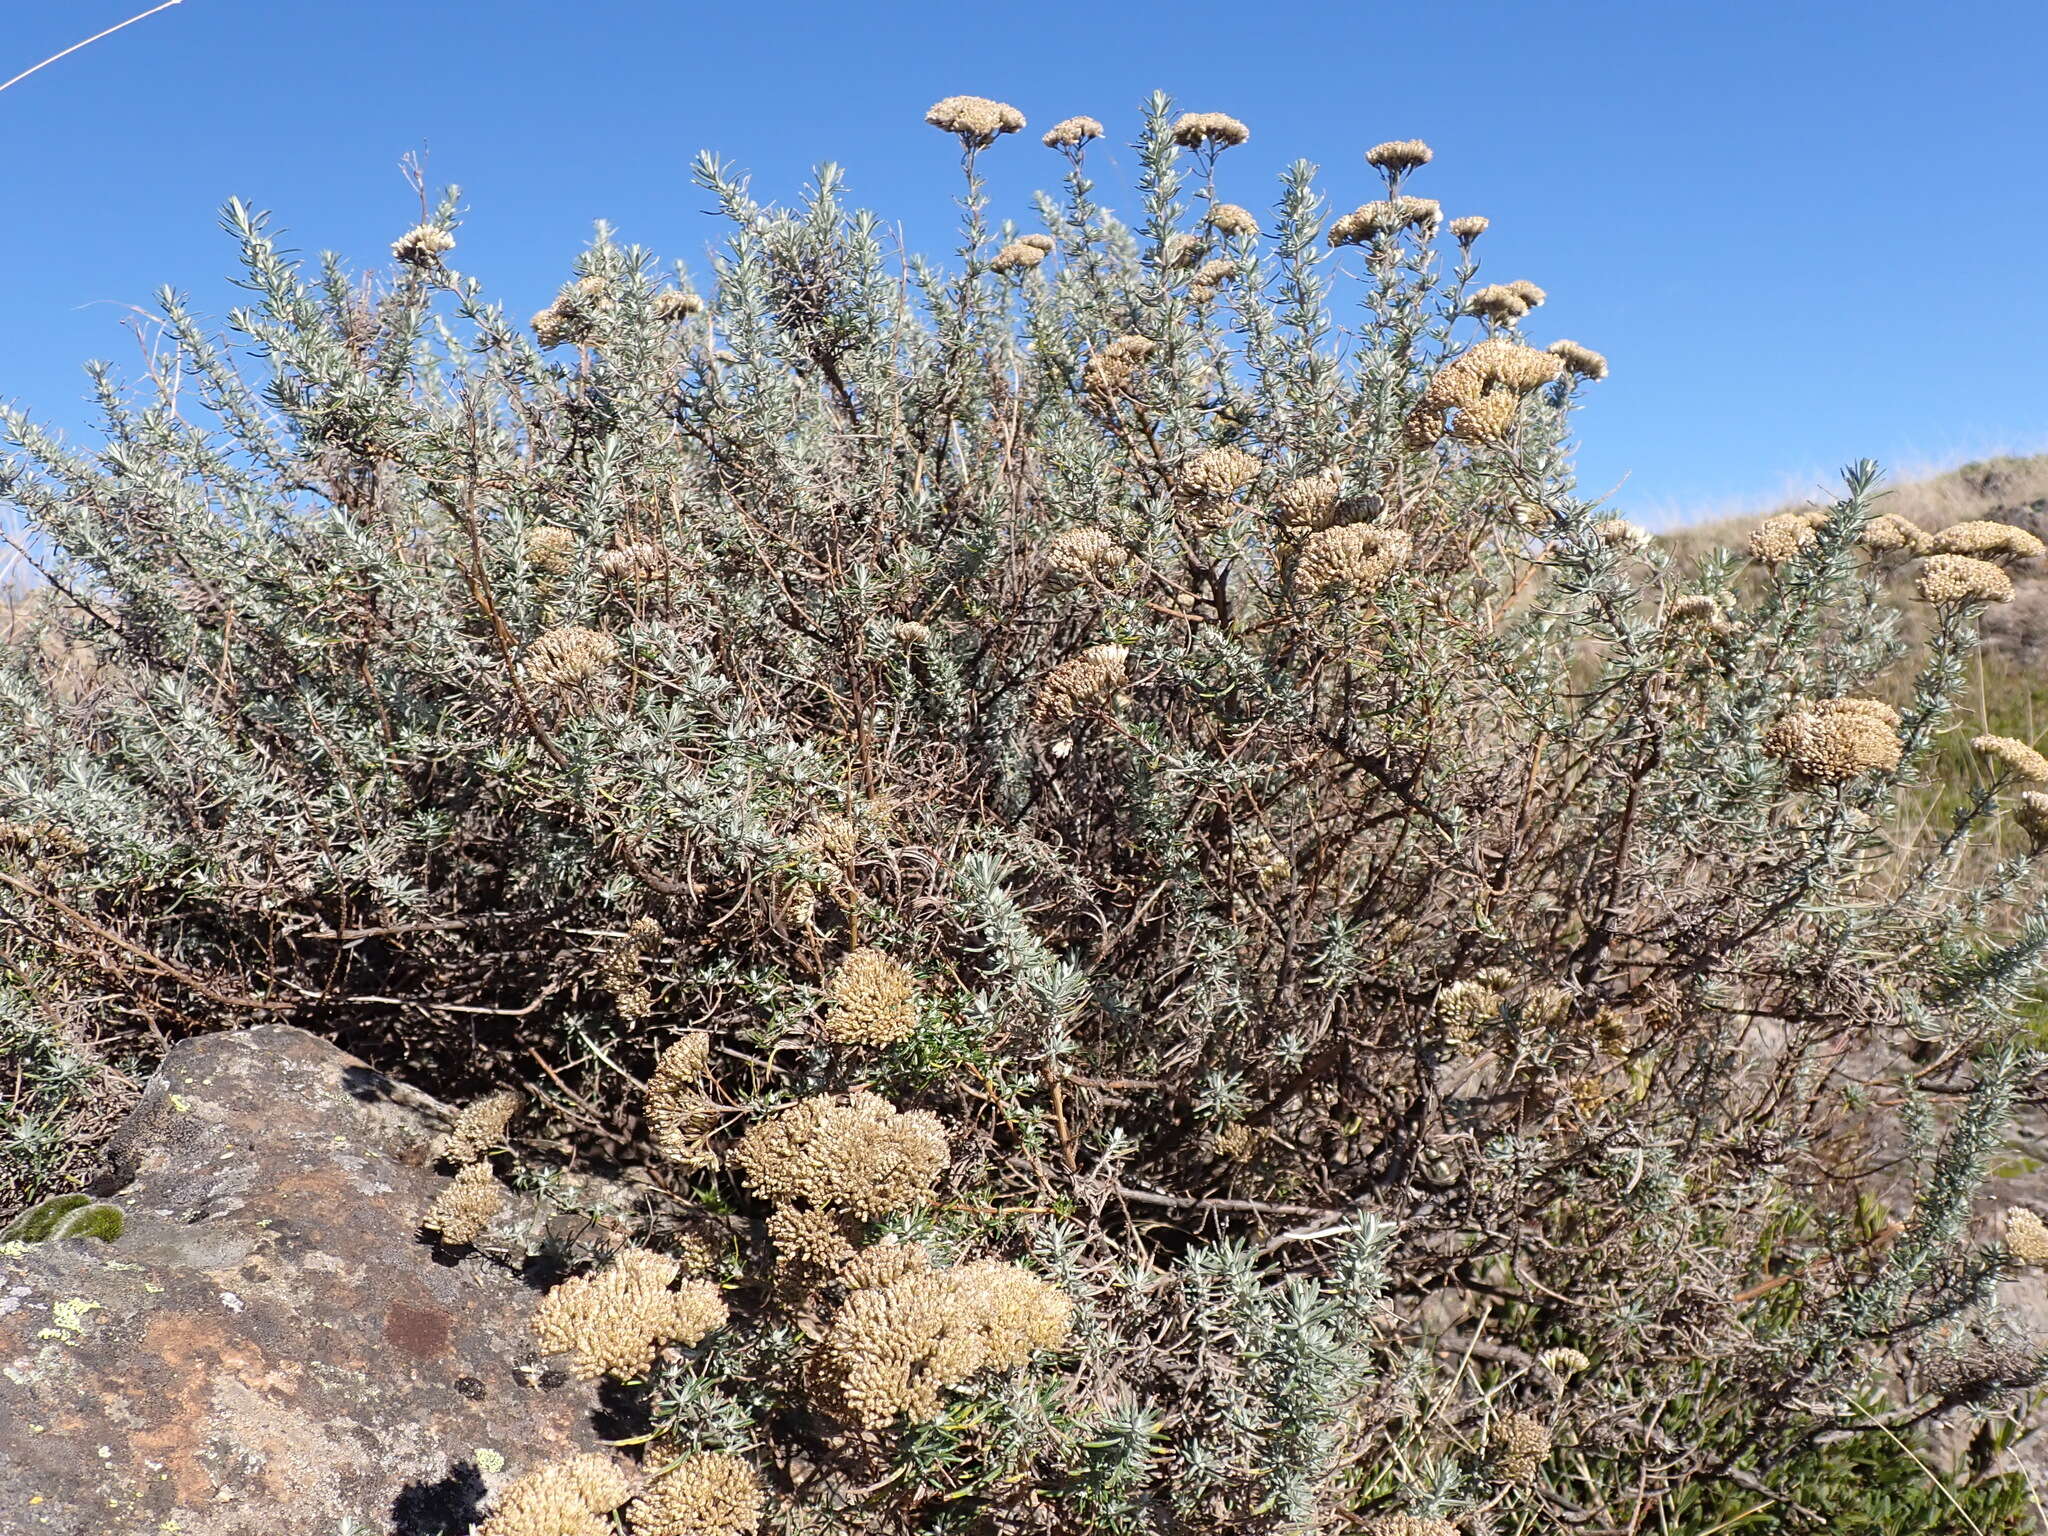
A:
(53, 58)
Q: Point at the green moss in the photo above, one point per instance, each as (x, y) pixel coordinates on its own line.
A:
(65, 1216)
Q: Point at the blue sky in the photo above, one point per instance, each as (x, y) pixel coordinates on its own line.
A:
(1803, 232)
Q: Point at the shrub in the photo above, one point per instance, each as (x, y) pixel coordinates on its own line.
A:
(1421, 994)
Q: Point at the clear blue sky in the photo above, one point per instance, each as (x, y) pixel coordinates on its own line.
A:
(1803, 232)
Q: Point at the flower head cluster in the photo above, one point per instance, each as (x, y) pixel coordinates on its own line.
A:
(809, 1244)
(1022, 255)
(573, 315)
(1619, 533)
(1230, 219)
(1311, 501)
(1370, 221)
(1519, 1445)
(563, 1498)
(1777, 539)
(1215, 473)
(1583, 361)
(1357, 558)
(1114, 365)
(1498, 302)
(480, 1127)
(1210, 277)
(2026, 1236)
(1985, 540)
(1072, 132)
(680, 1115)
(1082, 552)
(1485, 385)
(870, 1000)
(1094, 677)
(422, 246)
(673, 304)
(2014, 758)
(1408, 1525)
(464, 1211)
(2032, 815)
(562, 660)
(1399, 155)
(1834, 740)
(1948, 579)
(550, 548)
(855, 1154)
(1888, 531)
(707, 1494)
(884, 1264)
(612, 1322)
(632, 564)
(1470, 227)
(977, 120)
(897, 1348)
(1217, 130)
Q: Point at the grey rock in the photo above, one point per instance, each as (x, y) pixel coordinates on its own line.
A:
(271, 1347)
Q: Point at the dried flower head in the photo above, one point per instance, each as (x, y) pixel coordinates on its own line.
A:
(480, 1127)
(1116, 363)
(553, 327)
(1464, 1007)
(1182, 250)
(1518, 1445)
(897, 1348)
(1511, 365)
(2032, 815)
(1230, 219)
(1356, 558)
(2026, 1236)
(1215, 473)
(612, 1322)
(1564, 1361)
(977, 120)
(911, 633)
(1583, 361)
(1095, 677)
(1527, 292)
(870, 1000)
(631, 564)
(1364, 224)
(1888, 531)
(1043, 242)
(1310, 502)
(1963, 579)
(1831, 741)
(884, 1264)
(1985, 540)
(810, 1244)
(422, 246)
(672, 304)
(1083, 552)
(1214, 274)
(855, 1154)
(1072, 132)
(1017, 256)
(549, 549)
(464, 1211)
(1408, 1525)
(1217, 130)
(1618, 533)
(1418, 213)
(1423, 427)
(2014, 758)
(680, 1117)
(1777, 539)
(563, 1498)
(707, 1494)
(1399, 155)
(1488, 421)
(1496, 302)
(1470, 227)
(572, 657)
